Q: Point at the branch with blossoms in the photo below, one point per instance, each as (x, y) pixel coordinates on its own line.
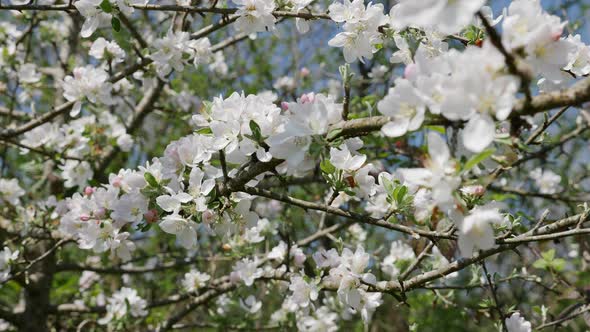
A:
(449, 156)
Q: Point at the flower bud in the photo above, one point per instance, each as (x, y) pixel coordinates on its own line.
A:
(304, 72)
(208, 216)
(307, 98)
(284, 105)
(99, 213)
(151, 216)
(88, 191)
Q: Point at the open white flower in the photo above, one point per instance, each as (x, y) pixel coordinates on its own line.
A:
(90, 83)
(185, 230)
(125, 301)
(448, 17)
(255, 15)
(193, 280)
(342, 159)
(475, 230)
(517, 323)
(438, 173)
(303, 292)
(547, 181)
(405, 106)
(10, 191)
(6, 258)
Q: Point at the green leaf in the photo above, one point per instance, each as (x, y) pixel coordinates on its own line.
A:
(558, 264)
(106, 7)
(327, 167)
(548, 255)
(400, 193)
(205, 131)
(540, 264)
(478, 158)
(333, 134)
(439, 129)
(150, 179)
(116, 24)
(388, 185)
(255, 128)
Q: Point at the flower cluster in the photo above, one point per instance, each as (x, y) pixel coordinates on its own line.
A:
(88, 83)
(124, 302)
(360, 37)
(175, 49)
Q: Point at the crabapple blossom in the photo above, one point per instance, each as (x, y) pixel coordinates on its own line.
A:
(238, 177)
(123, 302)
(546, 180)
(104, 49)
(475, 230)
(517, 323)
(255, 15)
(405, 106)
(303, 292)
(448, 17)
(193, 280)
(10, 191)
(6, 258)
(185, 230)
(87, 83)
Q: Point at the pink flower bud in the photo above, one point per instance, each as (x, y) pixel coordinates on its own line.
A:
(84, 217)
(304, 72)
(284, 105)
(117, 181)
(151, 216)
(88, 191)
(100, 213)
(475, 190)
(307, 98)
(410, 70)
(208, 217)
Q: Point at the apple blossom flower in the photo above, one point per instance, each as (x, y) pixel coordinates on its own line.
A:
(448, 17)
(405, 106)
(250, 304)
(517, 323)
(123, 302)
(104, 49)
(6, 258)
(399, 251)
(185, 230)
(27, 73)
(76, 173)
(246, 270)
(10, 191)
(87, 83)
(303, 292)
(93, 14)
(255, 15)
(193, 280)
(547, 181)
(475, 230)
(438, 174)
